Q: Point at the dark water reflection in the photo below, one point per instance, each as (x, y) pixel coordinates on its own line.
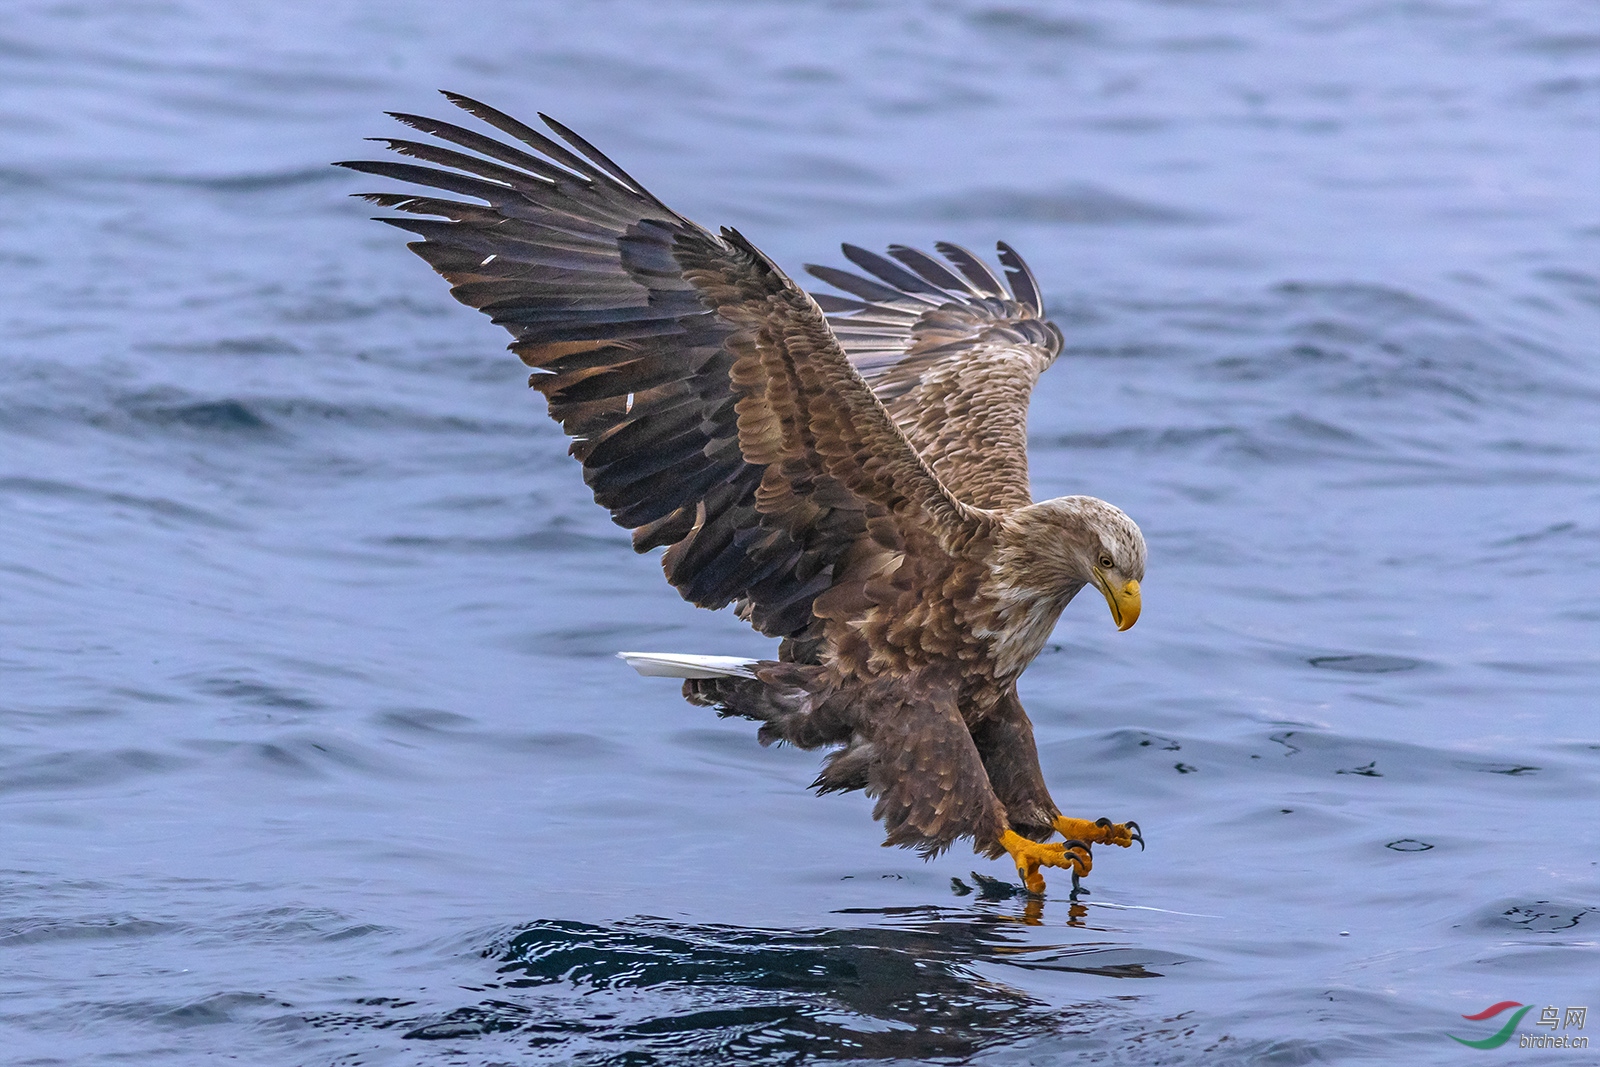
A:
(650, 990)
(312, 745)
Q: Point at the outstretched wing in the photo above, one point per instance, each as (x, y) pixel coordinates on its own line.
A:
(954, 354)
(709, 403)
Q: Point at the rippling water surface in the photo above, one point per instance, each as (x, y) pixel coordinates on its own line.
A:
(312, 748)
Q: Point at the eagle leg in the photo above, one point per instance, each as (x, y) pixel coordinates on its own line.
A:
(1099, 832)
(1029, 856)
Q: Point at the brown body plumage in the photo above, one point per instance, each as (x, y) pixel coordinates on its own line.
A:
(855, 485)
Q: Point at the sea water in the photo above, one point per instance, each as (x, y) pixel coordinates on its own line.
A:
(313, 749)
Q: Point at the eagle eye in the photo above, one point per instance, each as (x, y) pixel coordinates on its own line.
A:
(1106, 560)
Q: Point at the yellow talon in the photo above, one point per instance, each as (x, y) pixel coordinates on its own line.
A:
(1029, 856)
(1099, 832)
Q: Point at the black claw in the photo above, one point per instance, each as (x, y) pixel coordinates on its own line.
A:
(1104, 822)
(1133, 828)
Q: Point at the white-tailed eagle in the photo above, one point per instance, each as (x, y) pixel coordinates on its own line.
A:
(850, 473)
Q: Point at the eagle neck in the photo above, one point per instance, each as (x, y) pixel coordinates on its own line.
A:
(1021, 623)
(1035, 571)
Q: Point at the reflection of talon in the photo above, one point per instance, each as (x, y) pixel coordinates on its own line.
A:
(1100, 832)
(991, 889)
(1029, 856)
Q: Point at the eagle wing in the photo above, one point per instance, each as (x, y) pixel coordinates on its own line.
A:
(954, 354)
(710, 405)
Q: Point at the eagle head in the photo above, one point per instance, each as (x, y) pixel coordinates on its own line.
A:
(1054, 548)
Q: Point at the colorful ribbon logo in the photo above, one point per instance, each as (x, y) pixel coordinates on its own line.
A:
(1505, 1032)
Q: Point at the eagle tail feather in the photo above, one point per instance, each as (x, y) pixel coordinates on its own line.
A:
(680, 665)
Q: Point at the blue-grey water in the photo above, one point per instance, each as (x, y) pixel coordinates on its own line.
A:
(312, 746)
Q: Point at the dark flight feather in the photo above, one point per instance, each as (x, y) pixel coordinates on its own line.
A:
(975, 270)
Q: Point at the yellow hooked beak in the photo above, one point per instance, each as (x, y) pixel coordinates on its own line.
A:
(1124, 602)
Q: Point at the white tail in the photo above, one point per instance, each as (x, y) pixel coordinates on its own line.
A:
(678, 665)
